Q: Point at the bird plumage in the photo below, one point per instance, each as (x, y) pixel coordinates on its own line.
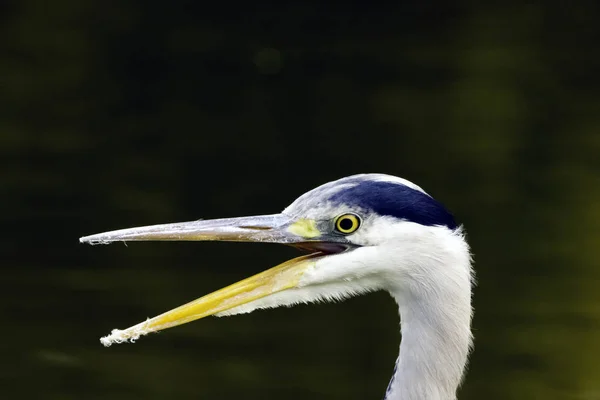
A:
(400, 240)
(375, 194)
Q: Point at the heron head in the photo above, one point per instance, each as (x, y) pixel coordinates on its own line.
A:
(358, 230)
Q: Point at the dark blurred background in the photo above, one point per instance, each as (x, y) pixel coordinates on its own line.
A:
(117, 114)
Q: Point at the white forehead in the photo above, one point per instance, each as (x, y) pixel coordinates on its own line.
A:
(387, 178)
(314, 202)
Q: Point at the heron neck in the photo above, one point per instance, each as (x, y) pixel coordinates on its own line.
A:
(436, 338)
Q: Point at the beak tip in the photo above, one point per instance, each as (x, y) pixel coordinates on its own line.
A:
(88, 239)
(93, 240)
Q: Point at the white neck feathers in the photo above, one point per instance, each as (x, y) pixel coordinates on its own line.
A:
(434, 301)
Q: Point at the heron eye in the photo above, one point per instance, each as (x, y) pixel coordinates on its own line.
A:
(347, 223)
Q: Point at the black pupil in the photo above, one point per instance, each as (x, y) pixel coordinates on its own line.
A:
(346, 224)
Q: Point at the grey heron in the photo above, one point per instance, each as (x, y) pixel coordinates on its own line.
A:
(364, 233)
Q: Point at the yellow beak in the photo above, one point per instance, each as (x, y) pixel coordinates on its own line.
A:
(270, 228)
(282, 277)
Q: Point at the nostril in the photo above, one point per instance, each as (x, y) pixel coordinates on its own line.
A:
(256, 228)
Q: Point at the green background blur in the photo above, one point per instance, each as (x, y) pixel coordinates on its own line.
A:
(123, 113)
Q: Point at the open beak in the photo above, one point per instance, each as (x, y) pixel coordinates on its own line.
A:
(277, 228)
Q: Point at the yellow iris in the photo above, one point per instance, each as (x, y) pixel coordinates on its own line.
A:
(347, 223)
